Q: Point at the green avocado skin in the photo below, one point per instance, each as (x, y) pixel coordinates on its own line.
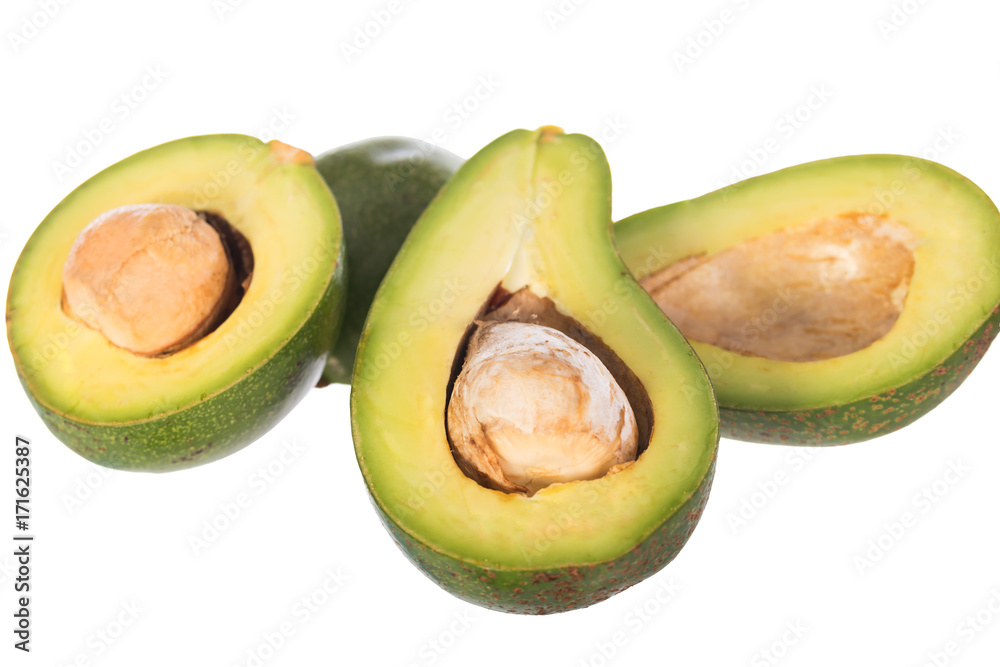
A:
(552, 591)
(239, 414)
(382, 186)
(869, 417)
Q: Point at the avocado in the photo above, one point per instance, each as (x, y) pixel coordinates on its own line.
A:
(382, 186)
(172, 308)
(497, 452)
(831, 302)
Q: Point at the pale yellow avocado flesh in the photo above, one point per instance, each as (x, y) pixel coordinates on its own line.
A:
(532, 209)
(257, 188)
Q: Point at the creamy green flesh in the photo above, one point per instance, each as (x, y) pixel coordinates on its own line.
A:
(498, 223)
(74, 370)
(952, 291)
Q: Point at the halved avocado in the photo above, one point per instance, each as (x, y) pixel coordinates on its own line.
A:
(522, 233)
(382, 186)
(831, 302)
(220, 392)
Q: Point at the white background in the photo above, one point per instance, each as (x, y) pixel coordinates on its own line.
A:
(111, 541)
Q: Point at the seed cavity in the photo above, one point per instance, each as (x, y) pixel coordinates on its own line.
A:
(531, 405)
(806, 293)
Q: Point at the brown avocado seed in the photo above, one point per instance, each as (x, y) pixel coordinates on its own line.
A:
(152, 278)
(532, 407)
(806, 293)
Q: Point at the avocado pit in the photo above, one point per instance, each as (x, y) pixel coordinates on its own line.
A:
(532, 405)
(155, 278)
(806, 293)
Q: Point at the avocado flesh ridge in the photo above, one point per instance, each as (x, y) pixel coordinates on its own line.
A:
(95, 382)
(957, 250)
(497, 222)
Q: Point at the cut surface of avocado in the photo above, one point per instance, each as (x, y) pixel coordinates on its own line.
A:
(223, 387)
(831, 302)
(522, 234)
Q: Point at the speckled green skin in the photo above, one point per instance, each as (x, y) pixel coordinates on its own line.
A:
(237, 415)
(869, 417)
(550, 591)
(382, 186)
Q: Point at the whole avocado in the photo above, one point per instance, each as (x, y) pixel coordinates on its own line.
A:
(381, 185)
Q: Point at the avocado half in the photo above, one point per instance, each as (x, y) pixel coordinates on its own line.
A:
(836, 301)
(528, 215)
(159, 413)
(382, 186)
